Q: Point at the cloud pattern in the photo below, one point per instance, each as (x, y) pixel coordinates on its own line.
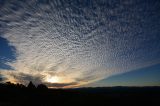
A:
(79, 41)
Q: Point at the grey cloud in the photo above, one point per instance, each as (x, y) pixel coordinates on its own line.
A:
(1, 78)
(61, 85)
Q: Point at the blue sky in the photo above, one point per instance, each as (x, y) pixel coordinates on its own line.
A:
(148, 76)
(7, 53)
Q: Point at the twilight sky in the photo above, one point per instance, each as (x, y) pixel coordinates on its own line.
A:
(74, 43)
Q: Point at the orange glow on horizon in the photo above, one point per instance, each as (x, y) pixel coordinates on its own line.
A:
(53, 79)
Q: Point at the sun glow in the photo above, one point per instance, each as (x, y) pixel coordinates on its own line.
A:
(53, 79)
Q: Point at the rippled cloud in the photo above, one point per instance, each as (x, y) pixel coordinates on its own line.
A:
(79, 42)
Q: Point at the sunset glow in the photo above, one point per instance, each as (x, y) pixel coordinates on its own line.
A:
(53, 79)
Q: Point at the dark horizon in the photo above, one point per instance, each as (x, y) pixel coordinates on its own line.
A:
(41, 96)
(26, 86)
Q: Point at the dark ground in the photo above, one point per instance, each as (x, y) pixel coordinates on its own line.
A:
(107, 96)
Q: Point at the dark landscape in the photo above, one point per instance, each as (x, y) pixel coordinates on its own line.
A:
(19, 95)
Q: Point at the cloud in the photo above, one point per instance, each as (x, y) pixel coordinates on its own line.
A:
(79, 42)
(1, 78)
(62, 85)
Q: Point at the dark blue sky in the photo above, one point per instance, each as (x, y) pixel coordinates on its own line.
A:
(149, 76)
(7, 54)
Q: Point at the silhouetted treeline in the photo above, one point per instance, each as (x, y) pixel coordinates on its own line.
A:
(9, 85)
(20, 95)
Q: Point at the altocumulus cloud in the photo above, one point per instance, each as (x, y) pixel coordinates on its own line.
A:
(75, 42)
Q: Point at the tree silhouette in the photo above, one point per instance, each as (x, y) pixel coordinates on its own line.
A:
(42, 86)
(8, 83)
(31, 85)
(20, 85)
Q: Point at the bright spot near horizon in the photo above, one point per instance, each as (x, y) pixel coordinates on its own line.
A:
(53, 79)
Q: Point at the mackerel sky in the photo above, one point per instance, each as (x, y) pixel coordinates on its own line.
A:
(78, 42)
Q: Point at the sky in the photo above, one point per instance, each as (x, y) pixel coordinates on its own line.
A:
(148, 76)
(75, 43)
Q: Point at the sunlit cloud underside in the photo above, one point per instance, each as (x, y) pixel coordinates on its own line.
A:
(68, 44)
